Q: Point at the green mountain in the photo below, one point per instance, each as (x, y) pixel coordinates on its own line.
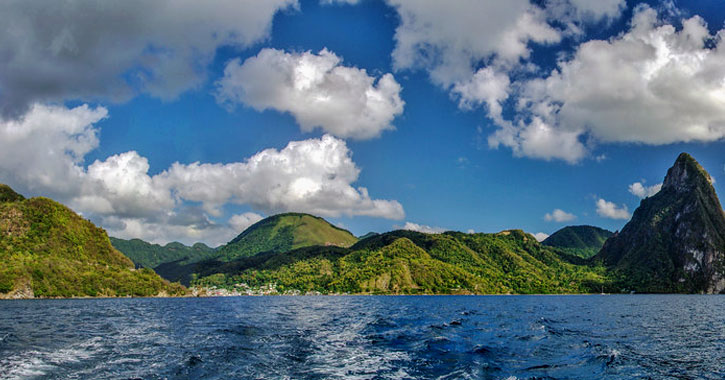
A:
(285, 232)
(407, 262)
(581, 241)
(147, 255)
(47, 250)
(675, 241)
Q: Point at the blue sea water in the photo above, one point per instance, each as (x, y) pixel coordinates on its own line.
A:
(366, 337)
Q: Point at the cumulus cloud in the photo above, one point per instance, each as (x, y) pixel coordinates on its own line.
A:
(312, 176)
(610, 210)
(67, 49)
(449, 41)
(641, 191)
(478, 61)
(559, 215)
(540, 236)
(316, 89)
(421, 228)
(653, 84)
(43, 153)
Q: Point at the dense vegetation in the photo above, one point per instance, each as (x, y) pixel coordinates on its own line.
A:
(675, 241)
(406, 262)
(48, 250)
(147, 255)
(285, 232)
(582, 241)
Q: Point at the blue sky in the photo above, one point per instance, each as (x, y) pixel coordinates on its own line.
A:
(116, 124)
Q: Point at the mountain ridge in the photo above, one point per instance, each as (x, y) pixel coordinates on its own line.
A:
(409, 262)
(148, 255)
(583, 241)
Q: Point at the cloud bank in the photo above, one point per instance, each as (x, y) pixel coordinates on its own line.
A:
(652, 84)
(186, 201)
(84, 49)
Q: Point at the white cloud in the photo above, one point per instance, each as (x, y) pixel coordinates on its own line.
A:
(449, 40)
(312, 176)
(486, 87)
(316, 89)
(421, 228)
(67, 49)
(241, 222)
(477, 60)
(610, 210)
(559, 215)
(653, 84)
(641, 191)
(540, 236)
(43, 153)
(538, 139)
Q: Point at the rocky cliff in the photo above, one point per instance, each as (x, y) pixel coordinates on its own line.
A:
(675, 241)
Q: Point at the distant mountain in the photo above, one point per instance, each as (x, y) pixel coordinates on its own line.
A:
(147, 255)
(47, 250)
(285, 232)
(367, 235)
(582, 241)
(675, 242)
(407, 262)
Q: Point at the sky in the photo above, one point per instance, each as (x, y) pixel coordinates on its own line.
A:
(187, 121)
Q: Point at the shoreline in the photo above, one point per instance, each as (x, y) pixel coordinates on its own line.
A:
(355, 295)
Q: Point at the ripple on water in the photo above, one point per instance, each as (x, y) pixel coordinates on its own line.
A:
(616, 337)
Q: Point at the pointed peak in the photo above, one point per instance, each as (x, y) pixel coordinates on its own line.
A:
(685, 157)
(686, 174)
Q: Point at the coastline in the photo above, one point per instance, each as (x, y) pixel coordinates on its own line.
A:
(4, 297)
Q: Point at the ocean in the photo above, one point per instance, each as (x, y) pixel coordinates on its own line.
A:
(366, 337)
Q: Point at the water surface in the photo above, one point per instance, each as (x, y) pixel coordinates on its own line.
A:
(440, 337)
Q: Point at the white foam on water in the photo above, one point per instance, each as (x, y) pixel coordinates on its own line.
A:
(33, 364)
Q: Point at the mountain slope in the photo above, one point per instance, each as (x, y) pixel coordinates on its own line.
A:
(407, 262)
(675, 241)
(285, 232)
(582, 241)
(48, 250)
(148, 255)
